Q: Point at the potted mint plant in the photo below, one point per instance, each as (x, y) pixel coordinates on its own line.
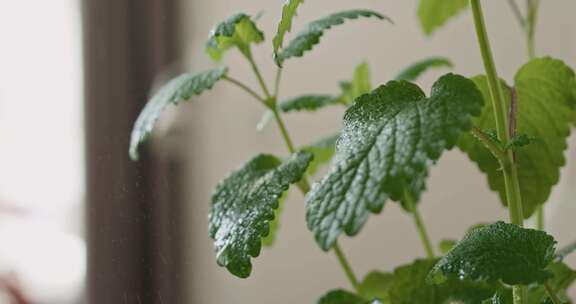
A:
(515, 132)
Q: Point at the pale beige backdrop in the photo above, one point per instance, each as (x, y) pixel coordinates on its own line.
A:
(217, 133)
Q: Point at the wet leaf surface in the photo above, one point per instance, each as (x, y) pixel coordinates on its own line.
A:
(497, 252)
(390, 138)
(244, 204)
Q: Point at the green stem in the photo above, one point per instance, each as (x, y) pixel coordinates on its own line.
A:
(496, 92)
(532, 9)
(552, 294)
(493, 147)
(513, 194)
(519, 294)
(277, 82)
(511, 182)
(284, 131)
(304, 185)
(256, 70)
(411, 204)
(245, 88)
(540, 221)
(517, 13)
(346, 266)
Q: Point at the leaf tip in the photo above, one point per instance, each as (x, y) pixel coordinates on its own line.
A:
(133, 153)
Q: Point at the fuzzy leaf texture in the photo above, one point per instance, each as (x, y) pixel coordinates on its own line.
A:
(237, 31)
(244, 204)
(390, 138)
(310, 36)
(434, 14)
(414, 71)
(496, 252)
(288, 13)
(306, 103)
(545, 111)
(179, 89)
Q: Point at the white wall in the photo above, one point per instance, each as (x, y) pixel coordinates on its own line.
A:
(218, 134)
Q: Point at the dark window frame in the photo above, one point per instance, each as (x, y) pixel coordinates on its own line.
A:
(133, 211)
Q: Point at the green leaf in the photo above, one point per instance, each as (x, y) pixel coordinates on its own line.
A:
(409, 286)
(434, 13)
(237, 31)
(414, 71)
(498, 252)
(446, 245)
(360, 85)
(390, 138)
(323, 151)
(285, 25)
(545, 111)
(558, 78)
(296, 104)
(269, 240)
(376, 286)
(347, 96)
(361, 82)
(562, 280)
(179, 89)
(243, 206)
(310, 36)
(341, 297)
(306, 103)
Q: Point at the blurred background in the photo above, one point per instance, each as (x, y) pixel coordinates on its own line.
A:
(80, 223)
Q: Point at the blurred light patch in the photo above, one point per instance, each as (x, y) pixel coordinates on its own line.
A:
(41, 144)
